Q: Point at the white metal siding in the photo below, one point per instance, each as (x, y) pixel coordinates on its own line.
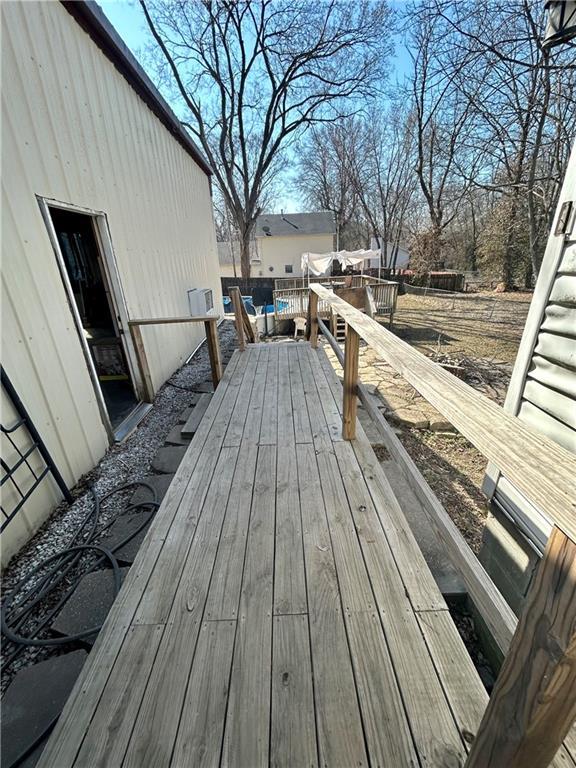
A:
(74, 130)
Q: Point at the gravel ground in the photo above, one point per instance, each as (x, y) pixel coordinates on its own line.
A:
(124, 463)
(466, 627)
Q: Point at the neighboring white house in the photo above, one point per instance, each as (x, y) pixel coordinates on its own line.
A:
(107, 216)
(402, 257)
(282, 238)
(229, 258)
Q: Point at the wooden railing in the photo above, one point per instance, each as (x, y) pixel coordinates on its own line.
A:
(293, 302)
(211, 327)
(533, 704)
(338, 281)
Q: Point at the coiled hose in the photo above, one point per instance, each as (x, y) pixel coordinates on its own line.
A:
(61, 573)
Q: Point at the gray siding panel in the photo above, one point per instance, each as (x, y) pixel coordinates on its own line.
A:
(560, 318)
(554, 376)
(568, 263)
(558, 349)
(564, 290)
(558, 405)
(549, 426)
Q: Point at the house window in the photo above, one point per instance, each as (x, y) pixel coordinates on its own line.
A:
(288, 269)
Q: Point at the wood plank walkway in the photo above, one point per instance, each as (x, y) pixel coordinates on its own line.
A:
(279, 612)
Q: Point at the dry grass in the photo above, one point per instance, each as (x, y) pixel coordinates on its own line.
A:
(454, 470)
(487, 326)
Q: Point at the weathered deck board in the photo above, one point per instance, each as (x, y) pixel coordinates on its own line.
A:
(338, 721)
(289, 576)
(279, 612)
(293, 733)
(246, 739)
(199, 740)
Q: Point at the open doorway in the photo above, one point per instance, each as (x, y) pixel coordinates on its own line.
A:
(90, 291)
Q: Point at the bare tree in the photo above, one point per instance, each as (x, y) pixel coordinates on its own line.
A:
(382, 171)
(522, 100)
(324, 178)
(443, 120)
(254, 74)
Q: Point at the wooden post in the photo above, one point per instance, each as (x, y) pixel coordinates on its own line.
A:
(351, 349)
(214, 350)
(369, 303)
(313, 318)
(136, 333)
(234, 294)
(533, 704)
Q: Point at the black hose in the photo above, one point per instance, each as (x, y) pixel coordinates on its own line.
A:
(17, 622)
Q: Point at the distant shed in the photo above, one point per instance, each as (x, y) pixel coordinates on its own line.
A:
(107, 216)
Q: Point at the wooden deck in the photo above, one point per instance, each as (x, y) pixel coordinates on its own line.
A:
(279, 612)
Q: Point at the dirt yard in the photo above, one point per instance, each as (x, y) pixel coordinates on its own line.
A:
(473, 325)
(480, 334)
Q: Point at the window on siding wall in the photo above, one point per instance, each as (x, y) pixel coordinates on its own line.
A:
(288, 269)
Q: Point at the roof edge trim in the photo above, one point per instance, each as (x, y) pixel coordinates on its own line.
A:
(92, 19)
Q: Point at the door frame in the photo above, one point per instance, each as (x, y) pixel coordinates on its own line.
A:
(114, 291)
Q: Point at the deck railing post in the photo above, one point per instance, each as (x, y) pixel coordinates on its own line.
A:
(214, 350)
(236, 298)
(313, 318)
(351, 349)
(533, 704)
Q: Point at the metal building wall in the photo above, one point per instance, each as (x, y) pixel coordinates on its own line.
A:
(74, 130)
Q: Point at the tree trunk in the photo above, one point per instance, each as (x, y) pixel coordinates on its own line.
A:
(507, 265)
(245, 253)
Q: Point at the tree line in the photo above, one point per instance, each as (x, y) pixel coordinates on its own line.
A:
(462, 160)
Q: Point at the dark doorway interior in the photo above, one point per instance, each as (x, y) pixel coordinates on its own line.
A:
(83, 262)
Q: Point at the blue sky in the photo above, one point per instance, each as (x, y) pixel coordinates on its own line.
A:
(127, 18)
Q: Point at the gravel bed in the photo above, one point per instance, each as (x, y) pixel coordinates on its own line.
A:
(123, 463)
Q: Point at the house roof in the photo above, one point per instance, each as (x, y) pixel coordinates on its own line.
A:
(289, 224)
(91, 18)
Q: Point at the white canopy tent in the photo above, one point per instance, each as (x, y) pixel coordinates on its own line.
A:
(320, 263)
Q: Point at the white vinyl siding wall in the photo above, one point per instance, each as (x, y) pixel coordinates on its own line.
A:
(277, 251)
(74, 130)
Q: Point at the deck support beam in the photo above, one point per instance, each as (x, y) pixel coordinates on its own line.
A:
(533, 704)
(351, 350)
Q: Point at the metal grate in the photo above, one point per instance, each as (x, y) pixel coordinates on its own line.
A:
(23, 487)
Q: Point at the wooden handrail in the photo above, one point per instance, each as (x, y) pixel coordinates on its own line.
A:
(539, 468)
(533, 704)
(168, 320)
(210, 327)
